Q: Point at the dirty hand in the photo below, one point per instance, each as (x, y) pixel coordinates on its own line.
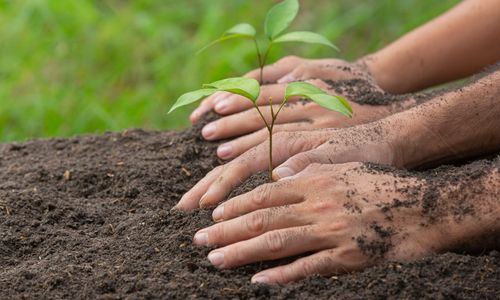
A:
(336, 211)
(286, 70)
(295, 116)
(292, 152)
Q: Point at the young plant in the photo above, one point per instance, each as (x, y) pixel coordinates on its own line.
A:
(277, 20)
(250, 89)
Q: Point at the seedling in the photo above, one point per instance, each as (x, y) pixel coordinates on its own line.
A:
(277, 20)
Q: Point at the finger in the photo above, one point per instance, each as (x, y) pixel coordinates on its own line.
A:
(319, 68)
(273, 72)
(264, 196)
(249, 226)
(206, 105)
(190, 200)
(299, 162)
(236, 103)
(257, 159)
(239, 145)
(326, 262)
(249, 121)
(270, 245)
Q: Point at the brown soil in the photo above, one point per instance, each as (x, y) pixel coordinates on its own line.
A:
(89, 217)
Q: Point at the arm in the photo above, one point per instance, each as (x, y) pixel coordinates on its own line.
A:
(457, 44)
(459, 124)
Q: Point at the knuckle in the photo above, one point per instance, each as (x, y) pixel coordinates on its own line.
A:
(324, 265)
(309, 267)
(288, 143)
(339, 226)
(216, 170)
(274, 241)
(322, 206)
(303, 159)
(262, 194)
(231, 207)
(216, 234)
(256, 222)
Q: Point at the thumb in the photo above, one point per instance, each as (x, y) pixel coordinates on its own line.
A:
(298, 162)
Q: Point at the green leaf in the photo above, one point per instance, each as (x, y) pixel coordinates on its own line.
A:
(246, 87)
(305, 37)
(345, 103)
(332, 103)
(307, 90)
(242, 30)
(279, 17)
(191, 97)
(300, 88)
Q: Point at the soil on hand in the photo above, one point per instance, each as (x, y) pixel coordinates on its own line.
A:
(89, 218)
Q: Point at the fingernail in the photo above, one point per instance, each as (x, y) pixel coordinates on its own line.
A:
(222, 106)
(260, 279)
(208, 130)
(201, 238)
(202, 200)
(286, 79)
(284, 172)
(216, 258)
(224, 150)
(218, 213)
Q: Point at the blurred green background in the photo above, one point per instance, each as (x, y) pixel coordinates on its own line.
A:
(78, 66)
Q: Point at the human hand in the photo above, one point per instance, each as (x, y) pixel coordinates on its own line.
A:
(248, 129)
(349, 215)
(286, 70)
(292, 152)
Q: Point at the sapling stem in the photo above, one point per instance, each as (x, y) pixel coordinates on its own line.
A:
(259, 59)
(273, 118)
(262, 59)
(262, 116)
(262, 62)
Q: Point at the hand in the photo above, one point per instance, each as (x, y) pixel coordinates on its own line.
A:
(286, 70)
(304, 115)
(349, 215)
(293, 151)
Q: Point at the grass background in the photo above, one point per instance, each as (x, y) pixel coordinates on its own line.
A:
(77, 66)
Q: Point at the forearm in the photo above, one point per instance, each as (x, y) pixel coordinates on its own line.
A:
(458, 124)
(457, 44)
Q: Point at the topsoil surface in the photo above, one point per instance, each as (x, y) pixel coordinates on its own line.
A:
(89, 218)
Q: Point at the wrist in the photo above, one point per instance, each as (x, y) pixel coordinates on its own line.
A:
(378, 69)
(411, 142)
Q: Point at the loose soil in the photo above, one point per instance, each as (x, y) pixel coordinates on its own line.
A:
(89, 218)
